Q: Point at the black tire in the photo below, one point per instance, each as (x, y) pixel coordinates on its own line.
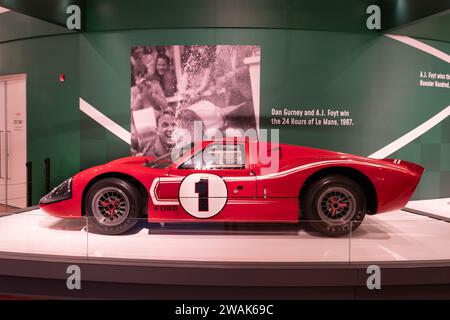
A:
(112, 199)
(334, 205)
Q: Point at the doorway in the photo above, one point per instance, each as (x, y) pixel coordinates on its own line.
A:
(13, 143)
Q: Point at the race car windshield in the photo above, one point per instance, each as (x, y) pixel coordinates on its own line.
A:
(167, 159)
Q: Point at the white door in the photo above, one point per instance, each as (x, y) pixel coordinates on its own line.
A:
(2, 147)
(13, 142)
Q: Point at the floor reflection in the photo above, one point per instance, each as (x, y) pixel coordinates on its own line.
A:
(379, 230)
(217, 228)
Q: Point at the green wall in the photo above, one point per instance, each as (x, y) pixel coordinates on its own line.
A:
(52, 107)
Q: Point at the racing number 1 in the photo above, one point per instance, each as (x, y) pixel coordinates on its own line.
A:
(203, 195)
(201, 187)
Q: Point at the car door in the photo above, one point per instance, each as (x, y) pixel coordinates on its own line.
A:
(215, 183)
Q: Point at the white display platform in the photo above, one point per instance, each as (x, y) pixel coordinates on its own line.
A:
(435, 207)
(396, 236)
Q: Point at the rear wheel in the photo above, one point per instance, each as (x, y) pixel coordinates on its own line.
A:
(334, 205)
(113, 206)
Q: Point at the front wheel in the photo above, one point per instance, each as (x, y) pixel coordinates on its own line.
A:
(335, 205)
(112, 205)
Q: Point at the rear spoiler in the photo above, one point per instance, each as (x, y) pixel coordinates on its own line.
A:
(409, 165)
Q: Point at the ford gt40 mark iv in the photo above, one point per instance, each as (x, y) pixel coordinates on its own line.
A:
(236, 181)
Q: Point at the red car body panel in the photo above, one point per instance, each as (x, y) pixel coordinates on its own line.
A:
(253, 195)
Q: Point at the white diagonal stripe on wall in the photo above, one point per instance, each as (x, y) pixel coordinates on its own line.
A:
(105, 121)
(421, 46)
(411, 135)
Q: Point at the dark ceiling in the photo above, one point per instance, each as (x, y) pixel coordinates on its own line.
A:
(425, 19)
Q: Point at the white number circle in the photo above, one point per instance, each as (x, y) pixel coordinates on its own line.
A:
(203, 195)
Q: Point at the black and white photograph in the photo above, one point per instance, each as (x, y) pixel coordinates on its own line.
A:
(173, 87)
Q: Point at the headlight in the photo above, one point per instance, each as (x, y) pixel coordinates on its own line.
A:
(62, 192)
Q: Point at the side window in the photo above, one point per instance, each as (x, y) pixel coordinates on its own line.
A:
(217, 156)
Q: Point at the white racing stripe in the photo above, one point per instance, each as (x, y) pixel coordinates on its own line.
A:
(421, 46)
(105, 121)
(411, 135)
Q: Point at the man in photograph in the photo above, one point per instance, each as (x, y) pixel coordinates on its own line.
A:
(165, 127)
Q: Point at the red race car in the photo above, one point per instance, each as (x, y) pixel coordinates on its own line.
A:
(236, 180)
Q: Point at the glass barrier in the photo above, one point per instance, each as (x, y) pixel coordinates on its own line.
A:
(389, 237)
(220, 242)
